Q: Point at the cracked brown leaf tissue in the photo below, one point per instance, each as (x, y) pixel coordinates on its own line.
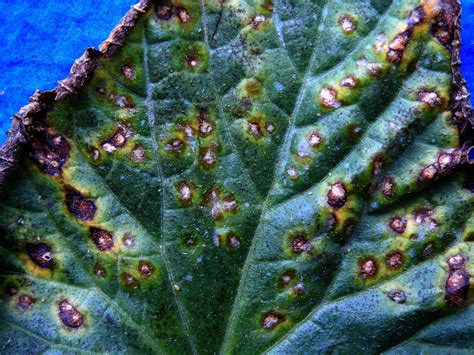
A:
(246, 177)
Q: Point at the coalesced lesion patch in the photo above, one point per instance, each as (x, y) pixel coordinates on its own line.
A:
(457, 283)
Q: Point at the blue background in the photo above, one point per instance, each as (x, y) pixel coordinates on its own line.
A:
(41, 39)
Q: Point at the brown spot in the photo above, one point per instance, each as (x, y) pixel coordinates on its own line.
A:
(348, 24)
(117, 141)
(258, 20)
(137, 155)
(445, 161)
(80, 206)
(314, 139)
(417, 16)
(69, 315)
(94, 153)
(175, 146)
(185, 192)
(456, 262)
(349, 82)
(456, 287)
(292, 173)
(354, 131)
(367, 269)
(102, 239)
(429, 97)
(205, 126)
(337, 195)
(49, 149)
(41, 255)
(286, 278)
(270, 127)
(182, 14)
(397, 296)
(398, 224)
(271, 319)
(443, 27)
(331, 221)
(394, 261)
(128, 72)
(100, 271)
(145, 268)
(208, 157)
(129, 241)
(192, 60)
(349, 226)
(427, 174)
(255, 129)
(387, 186)
(425, 218)
(377, 165)
(328, 98)
(130, 281)
(220, 205)
(25, 303)
(164, 11)
(299, 244)
(397, 46)
(233, 241)
(299, 289)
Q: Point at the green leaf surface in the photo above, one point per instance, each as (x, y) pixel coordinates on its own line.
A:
(249, 176)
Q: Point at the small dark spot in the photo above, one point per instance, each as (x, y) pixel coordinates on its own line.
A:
(80, 206)
(394, 260)
(145, 268)
(367, 268)
(299, 244)
(285, 280)
(12, 290)
(428, 249)
(49, 149)
(271, 319)
(337, 195)
(328, 98)
(445, 161)
(258, 20)
(69, 315)
(130, 281)
(398, 224)
(397, 296)
(349, 82)
(255, 129)
(219, 205)
(443, 28)
(102, 239)
(128, 72)
(25, 303)
(185, 194)
(377, 165)
(41, 255)
(428, 173)
(205, 126)
(354, 131)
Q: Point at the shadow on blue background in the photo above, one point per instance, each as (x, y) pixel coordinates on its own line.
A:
(41, 39)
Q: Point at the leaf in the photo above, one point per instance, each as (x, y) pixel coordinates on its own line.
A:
(246, 177)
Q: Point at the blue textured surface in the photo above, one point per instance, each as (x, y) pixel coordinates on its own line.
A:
(41, 39)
